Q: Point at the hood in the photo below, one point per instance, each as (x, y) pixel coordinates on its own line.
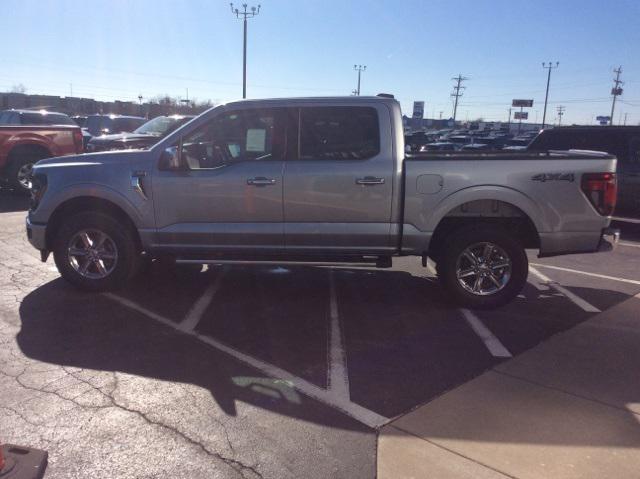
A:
(123, 137)
(91, 159)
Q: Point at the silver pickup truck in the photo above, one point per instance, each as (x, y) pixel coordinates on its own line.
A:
(318, 180)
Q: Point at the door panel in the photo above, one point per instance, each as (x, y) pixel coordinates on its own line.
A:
(337, 195)
(217, 207)
(230, 195)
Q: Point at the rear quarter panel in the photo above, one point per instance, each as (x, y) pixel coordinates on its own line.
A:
(556, 207)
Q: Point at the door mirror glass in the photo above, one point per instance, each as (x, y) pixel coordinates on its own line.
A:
(170, 159)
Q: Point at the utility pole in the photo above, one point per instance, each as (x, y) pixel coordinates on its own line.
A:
(625, 119)
(560, 113)
(244, 14)
(457, 94)
(509, 121)
(359, 69)
(615, 91)
(549, 67)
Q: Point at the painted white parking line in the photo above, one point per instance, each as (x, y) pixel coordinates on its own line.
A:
(633, 245)
(493, 344)
(362, 414)
(577, 300)
(194, 315)
(586, 273)
(338, 375)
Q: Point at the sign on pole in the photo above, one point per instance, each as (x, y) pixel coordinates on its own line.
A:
(603, 120)
(520, 115)
(418, 110)
(522, 103)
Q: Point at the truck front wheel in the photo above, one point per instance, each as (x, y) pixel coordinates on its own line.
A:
(94, 252)
(483, 267)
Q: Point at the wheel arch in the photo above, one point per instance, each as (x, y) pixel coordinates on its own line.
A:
(516, 218)
(81, 204)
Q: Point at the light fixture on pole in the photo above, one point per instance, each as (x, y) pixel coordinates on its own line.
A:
(244, 13)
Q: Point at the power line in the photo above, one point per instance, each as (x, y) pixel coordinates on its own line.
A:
(457, 93)
(546, 96)
(560, 113)
(253, 11)
(615, 91)
(359, 69)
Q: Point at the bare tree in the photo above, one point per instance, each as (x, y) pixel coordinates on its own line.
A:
(19, 88)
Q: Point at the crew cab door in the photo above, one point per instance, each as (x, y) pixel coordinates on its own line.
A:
(229, 196)
(338, 187)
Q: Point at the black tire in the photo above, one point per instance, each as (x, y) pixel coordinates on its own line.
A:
(127, 254)
(18, 160)
(511, 283)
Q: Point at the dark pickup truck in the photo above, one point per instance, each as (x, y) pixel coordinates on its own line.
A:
(621, 141)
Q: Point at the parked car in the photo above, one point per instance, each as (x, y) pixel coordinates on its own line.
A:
(109, 124)
(34, 117)
(621, 141)
(318, 180)
(80, 120)
(144, 136)
(22, 146)
(439, 146)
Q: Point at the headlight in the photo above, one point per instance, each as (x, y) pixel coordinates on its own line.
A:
(38, 188)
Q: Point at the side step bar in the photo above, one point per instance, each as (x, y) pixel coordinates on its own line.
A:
(378, 262)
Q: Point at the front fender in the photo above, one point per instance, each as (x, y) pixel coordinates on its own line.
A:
(140, 216)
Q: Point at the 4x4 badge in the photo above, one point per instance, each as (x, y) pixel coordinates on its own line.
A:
(553, 177)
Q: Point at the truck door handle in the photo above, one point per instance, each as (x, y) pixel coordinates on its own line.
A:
(370, 180)
(261, 181)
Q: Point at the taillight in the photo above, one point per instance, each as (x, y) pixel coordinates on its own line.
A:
(601, 190)
(77, 141)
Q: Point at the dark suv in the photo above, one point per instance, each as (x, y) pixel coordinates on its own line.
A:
(621, 141)
(109, 124)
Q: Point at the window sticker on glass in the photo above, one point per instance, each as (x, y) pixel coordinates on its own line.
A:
(256, 139)
(234, 149)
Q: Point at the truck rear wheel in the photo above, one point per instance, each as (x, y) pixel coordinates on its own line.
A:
(94, 252)
(483, 267)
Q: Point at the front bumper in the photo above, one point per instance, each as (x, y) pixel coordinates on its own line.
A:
(608, 239)
(36, 234)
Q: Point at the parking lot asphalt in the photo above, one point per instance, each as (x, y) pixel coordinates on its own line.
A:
(255, 371)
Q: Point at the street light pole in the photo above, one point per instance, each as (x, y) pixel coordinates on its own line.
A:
(546, 96)
(359, 69)
(245, 14)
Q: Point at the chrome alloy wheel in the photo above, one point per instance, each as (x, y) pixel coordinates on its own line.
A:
(483, 269)
(24, 175)
(92, 254)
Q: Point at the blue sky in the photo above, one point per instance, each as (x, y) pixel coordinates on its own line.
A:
(119, 49)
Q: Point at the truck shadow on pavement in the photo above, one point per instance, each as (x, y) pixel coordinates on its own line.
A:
(10, 201)
(403, 343)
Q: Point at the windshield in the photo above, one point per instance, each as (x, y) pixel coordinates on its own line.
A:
(160, 125)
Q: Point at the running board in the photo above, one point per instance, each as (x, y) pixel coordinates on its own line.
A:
(382, 262)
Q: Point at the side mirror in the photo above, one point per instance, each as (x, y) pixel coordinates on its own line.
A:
(170, 160)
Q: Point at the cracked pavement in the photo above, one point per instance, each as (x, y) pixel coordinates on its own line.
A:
(110, 394)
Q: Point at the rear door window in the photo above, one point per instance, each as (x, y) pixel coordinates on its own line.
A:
(338, 133)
